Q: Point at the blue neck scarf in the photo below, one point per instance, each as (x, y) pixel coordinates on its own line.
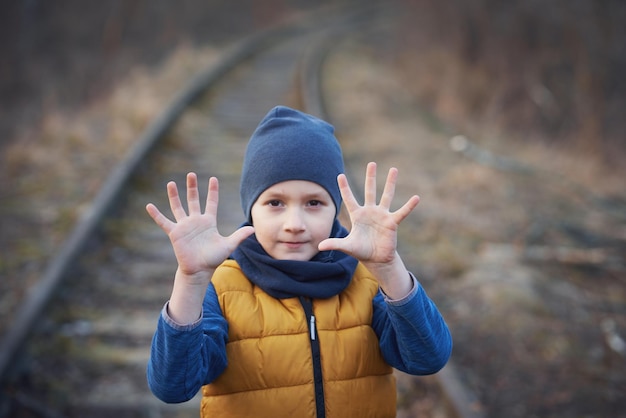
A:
(325, 275)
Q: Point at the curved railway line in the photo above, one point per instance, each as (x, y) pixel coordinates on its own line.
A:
(102, 294)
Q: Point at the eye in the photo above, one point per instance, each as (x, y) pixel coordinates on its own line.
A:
(316, 203)
(274, 203)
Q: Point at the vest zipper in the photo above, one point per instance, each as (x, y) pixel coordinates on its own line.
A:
(312, 327)
(318, 381)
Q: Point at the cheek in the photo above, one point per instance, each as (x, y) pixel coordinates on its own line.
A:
(263, 232)
(323, 226)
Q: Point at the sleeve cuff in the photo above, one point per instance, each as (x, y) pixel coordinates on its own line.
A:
(407, 298)
(175, 325)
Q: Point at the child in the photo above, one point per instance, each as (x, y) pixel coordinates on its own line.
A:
(292, 315)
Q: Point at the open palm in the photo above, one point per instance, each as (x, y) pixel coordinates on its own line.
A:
(197, 243)
(373, 236)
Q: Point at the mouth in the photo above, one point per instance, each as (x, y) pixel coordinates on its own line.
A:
(294, 244)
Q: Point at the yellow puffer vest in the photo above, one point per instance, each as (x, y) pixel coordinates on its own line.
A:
(270, 361)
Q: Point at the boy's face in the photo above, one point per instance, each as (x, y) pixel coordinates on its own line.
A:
(291, 218)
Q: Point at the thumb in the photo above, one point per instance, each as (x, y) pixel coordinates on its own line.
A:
(331, 244)
(241, 234)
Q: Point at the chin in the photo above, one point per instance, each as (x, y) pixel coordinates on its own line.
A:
(295, 257)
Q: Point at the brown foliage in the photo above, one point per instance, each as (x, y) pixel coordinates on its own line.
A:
(546, 70)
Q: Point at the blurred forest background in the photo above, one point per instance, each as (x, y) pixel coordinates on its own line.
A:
(550, 71)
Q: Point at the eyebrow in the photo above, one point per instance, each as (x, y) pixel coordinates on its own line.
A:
(308, 196)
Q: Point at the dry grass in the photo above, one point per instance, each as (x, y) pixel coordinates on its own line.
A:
(54, 170)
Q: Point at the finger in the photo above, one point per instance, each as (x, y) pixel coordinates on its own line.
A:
(175, 205)
(212, 198)
(370, 184)
(160, 219)
(333, 244)
(346, 193)
(239, 235)
(390, 188)
(406, 209)
(193, 198)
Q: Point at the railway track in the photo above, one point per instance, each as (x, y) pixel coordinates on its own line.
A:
(80, 346)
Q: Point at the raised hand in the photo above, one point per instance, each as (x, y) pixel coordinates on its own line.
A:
(373, 236)
(197, 243)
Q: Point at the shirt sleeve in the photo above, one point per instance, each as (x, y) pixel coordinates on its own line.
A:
(413, 336)
(183, 358)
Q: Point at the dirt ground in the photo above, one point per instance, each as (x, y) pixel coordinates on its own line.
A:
(520, 244)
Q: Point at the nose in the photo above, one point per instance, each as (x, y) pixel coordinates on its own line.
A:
(294, 220)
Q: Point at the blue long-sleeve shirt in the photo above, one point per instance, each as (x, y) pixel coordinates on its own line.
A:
(412, 334)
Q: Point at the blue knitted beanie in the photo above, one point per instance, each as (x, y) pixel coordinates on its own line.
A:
(290, 145)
